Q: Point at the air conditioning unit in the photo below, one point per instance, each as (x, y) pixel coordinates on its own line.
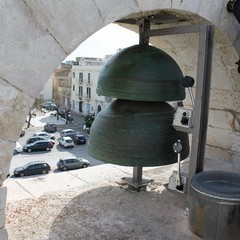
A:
(183, 117)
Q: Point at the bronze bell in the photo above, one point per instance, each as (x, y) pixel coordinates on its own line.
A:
(136, 129)
(136, 133)
(142, 73)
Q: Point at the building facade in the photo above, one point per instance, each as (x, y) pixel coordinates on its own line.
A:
(61, 88)
(84, 99)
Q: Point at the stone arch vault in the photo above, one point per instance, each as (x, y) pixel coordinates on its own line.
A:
(37, 35)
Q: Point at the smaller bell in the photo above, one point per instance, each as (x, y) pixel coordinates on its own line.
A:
(141, 73)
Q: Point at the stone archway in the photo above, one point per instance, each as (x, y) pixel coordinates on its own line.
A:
(37, 35)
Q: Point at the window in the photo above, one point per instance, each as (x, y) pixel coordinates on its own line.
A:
(89, 77)
(80, 91)
(73, 88)
(88, 92)
(80, 77)
(73, 74)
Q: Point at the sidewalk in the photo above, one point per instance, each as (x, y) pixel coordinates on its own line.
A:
(47, 117)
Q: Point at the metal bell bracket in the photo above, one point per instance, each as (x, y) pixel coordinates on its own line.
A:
(136, 183)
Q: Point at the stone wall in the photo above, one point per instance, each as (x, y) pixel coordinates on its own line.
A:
(37, 35)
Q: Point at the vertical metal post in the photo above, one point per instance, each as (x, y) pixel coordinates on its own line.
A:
(137, 174)
(144, 25)
(203, 83)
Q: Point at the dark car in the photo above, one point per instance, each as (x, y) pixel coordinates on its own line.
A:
(38, 138)
(32, 168)
(49, 106)
(50, 127)
(38, 146)
(72, 163)
(79, 139)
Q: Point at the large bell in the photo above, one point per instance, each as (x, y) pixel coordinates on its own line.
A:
(136, 133)
(143, 73)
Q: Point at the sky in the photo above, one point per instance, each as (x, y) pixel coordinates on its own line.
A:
(106, 41)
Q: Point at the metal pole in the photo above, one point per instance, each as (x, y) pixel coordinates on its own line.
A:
(203, 83)
(137, 174)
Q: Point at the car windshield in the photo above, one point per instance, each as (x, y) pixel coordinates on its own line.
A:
(26, 165)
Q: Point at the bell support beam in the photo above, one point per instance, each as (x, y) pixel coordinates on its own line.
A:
(203, 83)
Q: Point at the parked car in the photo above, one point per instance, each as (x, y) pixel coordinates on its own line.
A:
(45, 135)
(65, 164)
(79, 139)
(68, 133)
(49, 106)
(66, 142)
(18, 148)
(38, 146)
(32, 168)
(50, 127)
(38, 138)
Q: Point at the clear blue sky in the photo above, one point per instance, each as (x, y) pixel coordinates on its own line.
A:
(106, 41)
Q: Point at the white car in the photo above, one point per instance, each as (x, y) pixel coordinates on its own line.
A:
(66, 142)
(68, 133)
(18, 148)
(45, 135)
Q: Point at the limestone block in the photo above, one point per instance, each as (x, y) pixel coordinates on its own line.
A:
(184, 46)
(192, 6)
(216, 153)
(3, 234)
(2, 219)
(30, 52)
(235, 78)
(227, 119)
(14, 108)
(228, 55)
(224, 99)
(221, 78)
(224, 139)
(5, 156)
(236, 42)
(3, 197)
(154, 4)
(230, 27)
(69, 22)
(236, 159)
(110, 13)
(206, 10)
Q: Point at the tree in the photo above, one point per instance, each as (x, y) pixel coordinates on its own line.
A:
(37, 105)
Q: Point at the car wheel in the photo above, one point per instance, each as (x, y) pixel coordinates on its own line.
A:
(21, 174)
(29, 150)
(47, 149)
(84, 165)
(44, 172)
(65, 168)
